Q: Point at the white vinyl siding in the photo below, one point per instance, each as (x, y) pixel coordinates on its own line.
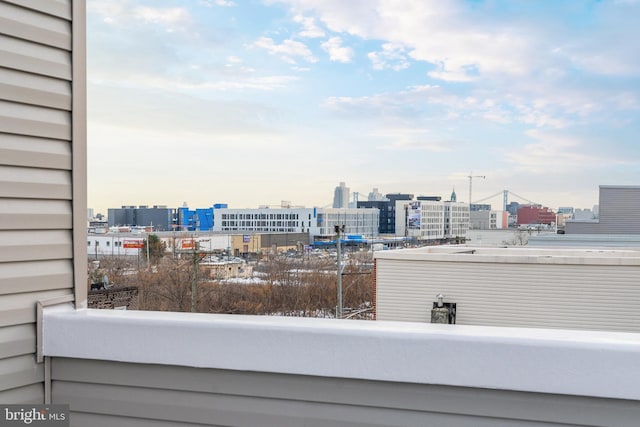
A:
(36, 180)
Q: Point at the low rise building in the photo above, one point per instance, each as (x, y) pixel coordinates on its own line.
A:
(511, 287)
(488, 220)
(535, 214)
(618, 212)
(318, 223)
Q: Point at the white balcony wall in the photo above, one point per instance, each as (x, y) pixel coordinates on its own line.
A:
(175, 369)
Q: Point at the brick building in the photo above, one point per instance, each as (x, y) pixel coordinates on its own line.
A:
(535, 214)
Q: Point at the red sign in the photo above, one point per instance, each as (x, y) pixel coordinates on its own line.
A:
(188, 244)
(133, 244)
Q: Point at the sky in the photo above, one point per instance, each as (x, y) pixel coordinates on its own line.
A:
(253, 102)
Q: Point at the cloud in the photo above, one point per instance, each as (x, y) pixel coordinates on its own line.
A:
(411, 139)
(310, 29)
(551, 152)
(336, 51)
(492, 44)
(445, 34)
(221, 3)
(261, 83)
(288, 50)
(124, 13)
(391, 56)
(166, 16)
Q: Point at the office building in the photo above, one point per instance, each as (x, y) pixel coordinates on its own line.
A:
(341, 196)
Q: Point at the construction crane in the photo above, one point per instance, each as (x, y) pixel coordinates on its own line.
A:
(471, 176)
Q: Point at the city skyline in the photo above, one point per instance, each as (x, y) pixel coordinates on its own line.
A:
(251, 103)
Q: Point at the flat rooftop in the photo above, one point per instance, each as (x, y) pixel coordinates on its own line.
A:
(538, 255)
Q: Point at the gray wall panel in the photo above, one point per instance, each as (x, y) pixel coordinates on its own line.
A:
(22, 119)
(20, 277)
(17, 340)
(20, 214)
(34, 58)
(33, 393)
(16, 309)
(34, 245)
(34, 26)
(20, 371)
(182, 394)
(18, 150)
(59, 8)
(99, 420)
(17, 182)
(37, 90)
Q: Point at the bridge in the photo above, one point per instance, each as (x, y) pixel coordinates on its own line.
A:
(505, 198)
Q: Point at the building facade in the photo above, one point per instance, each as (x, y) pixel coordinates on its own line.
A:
(512, 287)
(394, 198)
(618, 212)
(488, 220)
(535, 214)
(317, 222)
(158, 217)
(431, 220)
(387, 219)
(199, 219)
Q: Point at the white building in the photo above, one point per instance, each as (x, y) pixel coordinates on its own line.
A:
(265, 219)
(364, 221)
(583, 215)
(488, 220)
(317, 222)
(131, 244)
(431, 220)
(512, 287)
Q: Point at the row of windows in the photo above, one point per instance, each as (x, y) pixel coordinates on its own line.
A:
(231, 223)
(97, 243)
(267, 229)
(261, 216)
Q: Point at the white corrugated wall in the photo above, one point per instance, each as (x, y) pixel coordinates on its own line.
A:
(538, 295)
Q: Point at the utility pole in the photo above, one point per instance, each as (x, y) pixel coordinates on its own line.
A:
(194, 283)
(339, 229)
(471, 176)
(148, 258)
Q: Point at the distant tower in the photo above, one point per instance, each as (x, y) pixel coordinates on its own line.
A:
(341, 196)
(453, 195)
(376, 196)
